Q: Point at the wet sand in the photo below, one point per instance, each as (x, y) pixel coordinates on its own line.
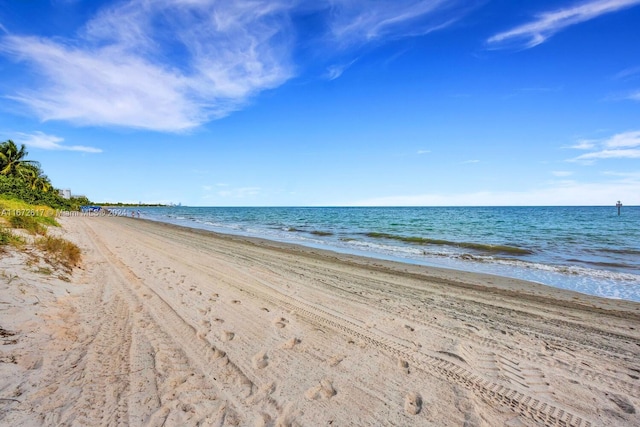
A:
(164, 325)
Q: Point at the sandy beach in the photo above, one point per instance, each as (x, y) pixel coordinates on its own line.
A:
(163, 325)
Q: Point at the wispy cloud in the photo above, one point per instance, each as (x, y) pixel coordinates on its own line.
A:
(469, 162)
(626, 139)
(50, 142)
(635, 96)
(561, 173)
(627, 73)
(610, 154)
(547, 24)
(167, 65)
(357, 22)
(171, 65)
(421, 152)
(584, 144)
(624, 145)
(334, 71)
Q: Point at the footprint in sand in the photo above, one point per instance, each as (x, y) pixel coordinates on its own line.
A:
(404, 365)
(205, 311)
(221, 357)
(289, 344)
(263, 420)
(280, 322)
(324, 390)
(206, 327)
(259, 361)
(227, 336)
(236, 301)
(412, 403)
(335, 360)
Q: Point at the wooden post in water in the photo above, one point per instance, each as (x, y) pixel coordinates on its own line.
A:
(618, 205)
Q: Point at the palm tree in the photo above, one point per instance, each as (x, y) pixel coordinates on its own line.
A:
(12, 160)
(35, 177)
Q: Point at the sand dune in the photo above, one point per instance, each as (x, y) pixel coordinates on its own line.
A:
(170, 326)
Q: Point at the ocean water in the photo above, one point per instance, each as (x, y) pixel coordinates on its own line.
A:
(587, 249)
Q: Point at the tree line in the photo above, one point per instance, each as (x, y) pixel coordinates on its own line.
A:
(25, 180)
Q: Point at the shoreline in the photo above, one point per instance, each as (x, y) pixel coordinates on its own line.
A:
(544, 254)
(462, 278)
(166, 324)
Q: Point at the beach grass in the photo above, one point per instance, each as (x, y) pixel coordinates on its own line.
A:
(28, 223)
(8, 238)
(12, 208)
(34, 219)
(60, 250)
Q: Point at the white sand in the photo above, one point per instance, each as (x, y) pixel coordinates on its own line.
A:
(169, 326)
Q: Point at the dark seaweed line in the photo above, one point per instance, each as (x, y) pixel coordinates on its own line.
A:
(503, 249)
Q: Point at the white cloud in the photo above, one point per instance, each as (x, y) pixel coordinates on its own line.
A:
(584, 144)
(420, 152)
(51, 142)
(548, 23)
(610, 154)
(356, 22)
(626, 139)
(624, 145)
(167, 65)
(468, 162)
(171, 65)
(561, 173)
(334, 71)
(627, 73)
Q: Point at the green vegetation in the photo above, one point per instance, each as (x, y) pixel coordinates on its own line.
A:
(130, 205)
(8, 238)
(321, 233)
(11, 207)
(29, 202)
(25, 180)
(60, 250)
(28, 223)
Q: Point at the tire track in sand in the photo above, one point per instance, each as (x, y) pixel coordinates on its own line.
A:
(211, 362)
(527, 405)
(537, 409)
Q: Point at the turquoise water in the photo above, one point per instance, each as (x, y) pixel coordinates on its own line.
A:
(587, 249)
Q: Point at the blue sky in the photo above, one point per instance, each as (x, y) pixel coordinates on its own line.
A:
(327, 102)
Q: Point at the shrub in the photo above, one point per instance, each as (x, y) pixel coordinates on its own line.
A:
(8, 238)
(62, 251)
(11, 186)
(28, 223)
(5, 236)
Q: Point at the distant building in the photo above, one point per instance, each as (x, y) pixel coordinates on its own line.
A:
(65, 193)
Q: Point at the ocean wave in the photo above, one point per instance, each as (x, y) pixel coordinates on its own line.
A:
(481, 247)
(572, 270)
